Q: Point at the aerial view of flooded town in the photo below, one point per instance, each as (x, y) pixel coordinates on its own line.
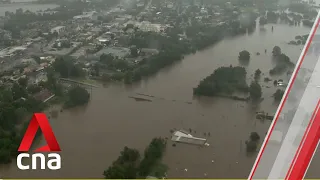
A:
(147, 88)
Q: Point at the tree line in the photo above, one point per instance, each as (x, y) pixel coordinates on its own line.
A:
(130, 164)
(16, 104)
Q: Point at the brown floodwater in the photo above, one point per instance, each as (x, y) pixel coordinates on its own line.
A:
(91, 137)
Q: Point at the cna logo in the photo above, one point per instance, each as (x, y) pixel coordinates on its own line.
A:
(53, 160)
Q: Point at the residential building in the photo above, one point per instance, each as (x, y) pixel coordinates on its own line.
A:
(58, 29)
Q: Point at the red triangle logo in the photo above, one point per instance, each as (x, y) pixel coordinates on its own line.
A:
(39, 120)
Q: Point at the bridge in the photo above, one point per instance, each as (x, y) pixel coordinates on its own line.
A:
(70, 81)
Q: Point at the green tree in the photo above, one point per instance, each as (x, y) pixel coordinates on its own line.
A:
(18, 92)
(96, 69)
(278, 95)
(125, 167)
(276, 51)
(6, 96)
(255, 91)
(251, 146)
(257, 75)
(77, 96)
(134, 51)
(244, 56)
(254, 136)
(152, 155)
(21, 113)
(263, 21)
(224, 80)
(121, 64)
(106, 59)
(129, 166)
(37, 59)
(32, 89)
(23, 82)
(5, 155)
(67, 68)
(106, 77)
(118, 76)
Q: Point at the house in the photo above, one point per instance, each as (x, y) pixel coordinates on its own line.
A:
(149, 51)
(44, 95)
(93, 15)
(58, 29)
(184, 137)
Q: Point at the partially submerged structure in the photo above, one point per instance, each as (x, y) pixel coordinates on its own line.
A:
(184, 137)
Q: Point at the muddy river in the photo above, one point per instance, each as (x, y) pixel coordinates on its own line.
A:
(92, 137)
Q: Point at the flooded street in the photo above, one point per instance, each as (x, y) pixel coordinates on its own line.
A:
(92, 137)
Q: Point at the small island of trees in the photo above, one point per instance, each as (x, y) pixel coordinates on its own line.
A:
(283, 62)
(77, 96)
(255, 91)
(244, 56)
(223, 81)
(257, 74)
(252, 143)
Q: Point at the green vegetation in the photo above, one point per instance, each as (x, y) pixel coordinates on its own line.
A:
(15, 106)
(276, 51)
(129, 166)
(17, 103)
(283, 62)
(255, 91)
(68, 9)
(263, 21)
(257, 75)
(244, 57)
(299, 40)
(278, 95)
(66, 67)
(77, 96)
(308, 23)
(20, 20)
(272, 17)
(223, 81)
(252, 143)
(172, 47)
(305, 9)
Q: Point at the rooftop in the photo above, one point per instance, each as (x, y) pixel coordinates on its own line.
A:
(116, 51)
(57, 28)
(184, 137)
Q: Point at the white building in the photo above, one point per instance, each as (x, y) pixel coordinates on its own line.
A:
(184, 137)
(58, 29)
(93, 15)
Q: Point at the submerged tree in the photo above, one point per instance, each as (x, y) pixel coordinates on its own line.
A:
(255, 91)
(276, 51)
(244, 56)
(77, 96)
(278, 95)
(257, 75)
